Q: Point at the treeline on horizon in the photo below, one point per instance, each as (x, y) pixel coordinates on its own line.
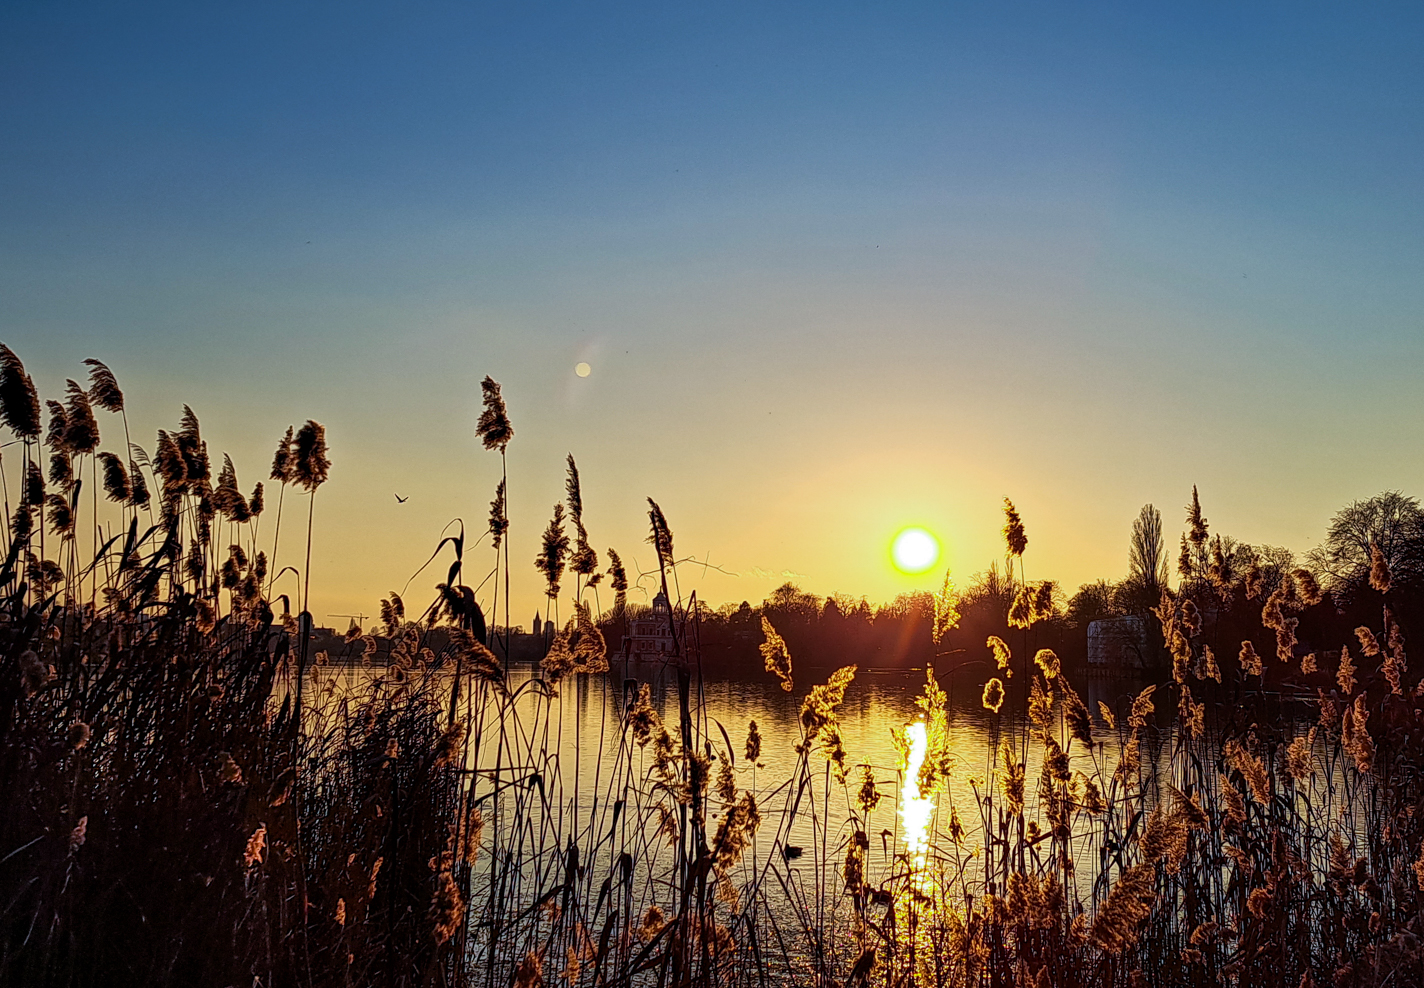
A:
(1230, 581)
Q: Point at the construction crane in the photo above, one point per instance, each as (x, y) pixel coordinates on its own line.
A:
(357, 619)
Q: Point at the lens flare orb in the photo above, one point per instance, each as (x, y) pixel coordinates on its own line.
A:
(915, 550)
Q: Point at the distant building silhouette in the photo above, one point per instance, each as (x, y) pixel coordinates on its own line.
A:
(1118, 643)
(650, 633)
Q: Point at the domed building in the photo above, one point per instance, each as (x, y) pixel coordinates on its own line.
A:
(650, 633)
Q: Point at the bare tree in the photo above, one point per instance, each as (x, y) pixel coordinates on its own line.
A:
(1392, 521)
(1147, 553)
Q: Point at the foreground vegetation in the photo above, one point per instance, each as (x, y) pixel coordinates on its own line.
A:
(194, 798)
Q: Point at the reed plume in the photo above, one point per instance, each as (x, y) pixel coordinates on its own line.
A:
(573, 490)
(448, 749)
(1308, 587)
(1209, 667)
(590, 651)
(1355, 735)
(33, 490)
(58, 426)
(644, 721)
(1142, 708)
(138, 487)
(993, 698)
(104, 387)
(19, 401)
(553, 552)
(309, 454)
(1014, 536)
(818, 710)
(1075, 714)
(1043, 606)
(1380, 576)
(946, 610)
(1251, 768)
(1129, 903)
(1345, 676)
(34, 673)
(1393, 669)
(1002, 656)
(1047, 661)
(661, 536)
(61, 468)
(734, 832)
(81, 430)
(494, 428)
(498, 517)
(1012, 777)
(22, 523)
(618, 577)
(1198, 525)
(868, 797)
(1021, 611)
(447, 907)
(1298, 756)
(61, 515)
(1040, 705)
(79, 735)
(1250, 660)
(1368, 643)
(583, 560)
(256, 846)
(283, 460)
(776, 657)
(226, 497)
(1193, 714)
(1233, 805)
(116, 479)
(78, 834)
(168, 461)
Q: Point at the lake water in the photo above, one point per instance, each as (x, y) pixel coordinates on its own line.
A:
(565, 791)
(586, 765)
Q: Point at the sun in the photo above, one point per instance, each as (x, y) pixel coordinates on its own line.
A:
(914, 550)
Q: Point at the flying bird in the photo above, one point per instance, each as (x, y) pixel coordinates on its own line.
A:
(402, 500)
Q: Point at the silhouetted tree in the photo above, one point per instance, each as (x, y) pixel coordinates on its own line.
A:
(1392, 521)
(1147, 551)
(1092, 601)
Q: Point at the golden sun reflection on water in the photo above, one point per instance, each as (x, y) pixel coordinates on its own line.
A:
(915, 896)
(915, 810)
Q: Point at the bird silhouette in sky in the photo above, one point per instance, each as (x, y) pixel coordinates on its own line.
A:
(402, 500)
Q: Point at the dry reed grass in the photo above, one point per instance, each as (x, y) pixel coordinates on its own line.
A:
(197, 800)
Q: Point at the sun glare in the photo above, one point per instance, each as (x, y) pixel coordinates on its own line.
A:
(914, 550)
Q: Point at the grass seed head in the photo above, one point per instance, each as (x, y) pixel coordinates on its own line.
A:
(1380, 576)
(1014, 536)
(993, 695)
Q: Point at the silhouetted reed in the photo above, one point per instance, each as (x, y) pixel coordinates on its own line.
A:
(197, 799)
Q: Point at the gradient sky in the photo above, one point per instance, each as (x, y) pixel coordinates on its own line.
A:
(837, 268)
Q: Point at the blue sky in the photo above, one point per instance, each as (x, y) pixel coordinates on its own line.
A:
(837, 268)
